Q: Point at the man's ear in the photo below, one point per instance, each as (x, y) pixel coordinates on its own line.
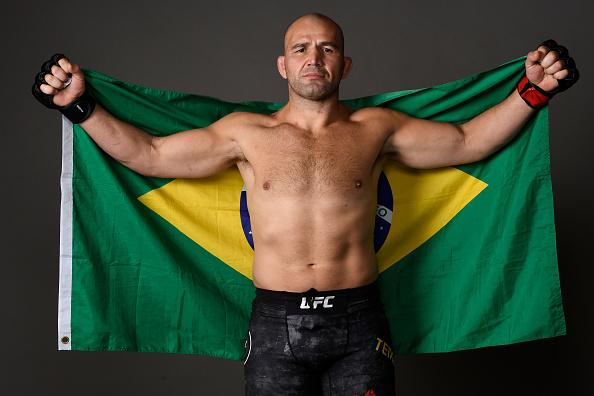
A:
(280, 64)
(348, 65)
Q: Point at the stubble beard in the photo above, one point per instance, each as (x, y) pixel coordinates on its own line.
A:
(314, 90)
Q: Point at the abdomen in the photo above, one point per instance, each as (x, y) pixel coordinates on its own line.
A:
(322, 242)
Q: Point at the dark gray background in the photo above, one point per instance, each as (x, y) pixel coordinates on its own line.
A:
(228, 50)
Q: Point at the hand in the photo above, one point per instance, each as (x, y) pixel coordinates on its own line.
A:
(550, 67)
(59, 82)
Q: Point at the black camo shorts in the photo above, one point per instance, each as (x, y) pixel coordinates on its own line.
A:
(319, 343)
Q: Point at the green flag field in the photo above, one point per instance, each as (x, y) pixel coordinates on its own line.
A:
(466, 255)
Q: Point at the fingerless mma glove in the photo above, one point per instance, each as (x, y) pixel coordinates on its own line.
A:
(78, 110)
(535, 96)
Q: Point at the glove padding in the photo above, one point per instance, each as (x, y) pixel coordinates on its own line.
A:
(78, 110)
(46, 68)
(569, 65)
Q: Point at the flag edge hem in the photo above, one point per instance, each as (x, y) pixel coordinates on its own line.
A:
(65, 262)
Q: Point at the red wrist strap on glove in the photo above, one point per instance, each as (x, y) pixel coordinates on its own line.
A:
(534, 96)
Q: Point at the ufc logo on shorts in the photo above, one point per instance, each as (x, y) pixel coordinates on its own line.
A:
(313, 302)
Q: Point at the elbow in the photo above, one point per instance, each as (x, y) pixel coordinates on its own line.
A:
(472, 150)
(148, 163)
(146, 159)
(141, 168)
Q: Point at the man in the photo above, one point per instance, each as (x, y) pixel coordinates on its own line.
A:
(317, 321)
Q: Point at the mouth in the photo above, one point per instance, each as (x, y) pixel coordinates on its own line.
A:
(313, 75)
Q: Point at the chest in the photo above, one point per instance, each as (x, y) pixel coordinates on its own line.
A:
(285, 158)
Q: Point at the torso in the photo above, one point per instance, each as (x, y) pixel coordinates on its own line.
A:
(312, 200)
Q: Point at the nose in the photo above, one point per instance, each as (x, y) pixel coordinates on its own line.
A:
(315, 57)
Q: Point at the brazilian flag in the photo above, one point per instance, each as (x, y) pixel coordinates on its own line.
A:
(466, 254)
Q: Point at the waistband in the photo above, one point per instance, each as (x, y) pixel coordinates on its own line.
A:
(313, 301)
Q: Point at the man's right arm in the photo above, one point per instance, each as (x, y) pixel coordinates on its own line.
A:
(189, 154)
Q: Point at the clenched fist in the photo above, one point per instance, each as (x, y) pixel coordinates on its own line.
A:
(550, 68)
(61, 85)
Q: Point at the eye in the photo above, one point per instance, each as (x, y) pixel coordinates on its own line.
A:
(328, 50)
(300, 49)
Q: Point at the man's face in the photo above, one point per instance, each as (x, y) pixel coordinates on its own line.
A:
(313, 63)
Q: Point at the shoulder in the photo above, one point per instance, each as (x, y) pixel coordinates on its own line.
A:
(377, 115)
(369, 113)
(240, 122)
(381, 119)
(243, 117)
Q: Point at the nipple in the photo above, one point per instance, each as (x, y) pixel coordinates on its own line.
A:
(358, 184)
(266, 185)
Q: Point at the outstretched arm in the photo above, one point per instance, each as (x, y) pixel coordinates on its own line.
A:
(189, 154)
(428, 144)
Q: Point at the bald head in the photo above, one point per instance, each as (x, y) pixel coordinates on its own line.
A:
(313, 62)
(319, 18)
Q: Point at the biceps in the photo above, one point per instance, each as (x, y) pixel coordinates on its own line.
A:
(426, 144)
(191, 154)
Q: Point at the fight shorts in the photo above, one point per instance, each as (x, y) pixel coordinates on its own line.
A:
(319, 343)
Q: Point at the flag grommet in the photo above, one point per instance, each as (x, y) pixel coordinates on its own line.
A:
(65, 340)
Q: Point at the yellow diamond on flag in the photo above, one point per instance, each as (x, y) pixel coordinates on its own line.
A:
(424, 202)
(207, 211)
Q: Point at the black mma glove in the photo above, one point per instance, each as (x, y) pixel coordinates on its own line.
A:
(535, 96)
(78, 110)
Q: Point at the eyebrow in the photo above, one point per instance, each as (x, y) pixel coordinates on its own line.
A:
(305, 44)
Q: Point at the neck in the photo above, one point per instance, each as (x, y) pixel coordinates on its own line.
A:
(311, 114)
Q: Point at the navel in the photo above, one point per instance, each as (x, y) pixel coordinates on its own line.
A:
(266, 185)
(358, 183)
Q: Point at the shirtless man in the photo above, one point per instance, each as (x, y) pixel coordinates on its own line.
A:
(317, 322)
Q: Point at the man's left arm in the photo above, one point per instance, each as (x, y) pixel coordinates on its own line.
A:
(426, 144)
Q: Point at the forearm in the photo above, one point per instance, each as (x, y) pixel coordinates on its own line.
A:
(492, 129)
(129, 145)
